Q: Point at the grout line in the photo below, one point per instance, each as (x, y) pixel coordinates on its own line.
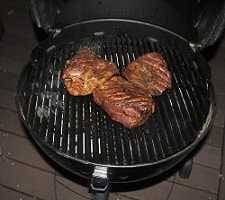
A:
(8, 109)
(18, 191)
(128, 197)
(169, 181)
(219, 125)
(56, 197)
(4, 71)
(9, 91)
(207, 166)
(214, 146)
(29, 165)
(12, 133)
(170, 191)
(194, 188)
(67, 187)
(221, 166)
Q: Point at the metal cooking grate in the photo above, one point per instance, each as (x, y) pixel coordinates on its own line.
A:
(76, 128)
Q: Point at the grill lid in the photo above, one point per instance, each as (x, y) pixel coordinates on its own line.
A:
(76, 128)
(200, 22)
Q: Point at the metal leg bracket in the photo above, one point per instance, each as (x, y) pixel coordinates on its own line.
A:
(99, 183)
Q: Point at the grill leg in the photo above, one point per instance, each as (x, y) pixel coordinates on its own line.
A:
(100, 196)
(99, 184)
(185, 170)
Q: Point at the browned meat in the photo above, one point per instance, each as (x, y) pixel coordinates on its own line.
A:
(150, 72)
(124, 102)
(85, 71)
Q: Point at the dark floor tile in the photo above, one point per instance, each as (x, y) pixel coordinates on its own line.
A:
(118, 196)
(215, 137)
(63, 193)
(222, 174)
(218, 60)
(181, 192)
(14, 63)
(7, 100)
(21, 149)
(11, 5)
(220, 114)
(22, 46)
(201, 178)
(217, 67)
(26, 179)
(18, 21)
(217, 64)
(209, 156)
(218, 83)
(217, 71)
(8, 81)
(77, 188)
(16, 45)
(16, 18)
(221, 194)
(8, 194)
(159, 191)
(9, 121)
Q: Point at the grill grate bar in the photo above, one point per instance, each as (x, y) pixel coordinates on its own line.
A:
(200, 84)
(167, 123)
(35, 99)
(102, 140)
(183, 88)
(127, 153)
(172, 104)
(178, 96)
(87, 130)
(191, 89)
(195, 87)
(175, 106)
(144, 145)
(164, 135)
(71, 127)
(80, 129)
(96, 129)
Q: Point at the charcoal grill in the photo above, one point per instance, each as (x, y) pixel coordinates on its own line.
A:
(80, 136)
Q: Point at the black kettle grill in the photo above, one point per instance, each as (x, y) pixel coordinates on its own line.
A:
(77, 134)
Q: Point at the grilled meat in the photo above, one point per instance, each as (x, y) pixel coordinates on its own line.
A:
(85, 71)
(149, 72)
(124, 102)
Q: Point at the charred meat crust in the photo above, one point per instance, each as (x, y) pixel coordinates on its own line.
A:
(124, 102)
(85, 71)
(149, 72)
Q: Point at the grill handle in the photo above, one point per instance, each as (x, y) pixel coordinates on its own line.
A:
(209, 21)
(44, 12)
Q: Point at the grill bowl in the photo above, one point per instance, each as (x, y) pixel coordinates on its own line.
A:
(79, 135)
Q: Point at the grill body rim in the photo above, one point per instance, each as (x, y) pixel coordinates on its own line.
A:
(176, 157)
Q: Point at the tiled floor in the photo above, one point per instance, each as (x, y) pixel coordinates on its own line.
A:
(25, 174)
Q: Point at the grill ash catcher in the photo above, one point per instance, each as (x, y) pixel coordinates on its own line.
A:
(77, 134)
